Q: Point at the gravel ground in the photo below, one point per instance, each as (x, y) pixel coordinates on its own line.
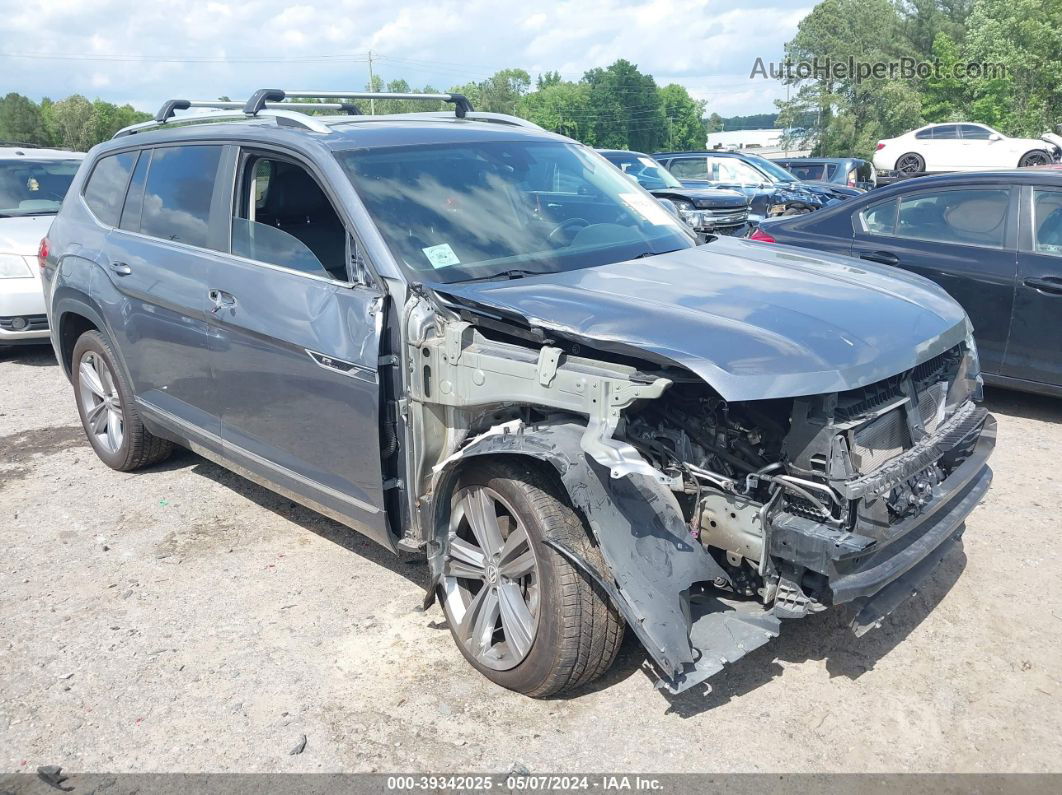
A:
(184, 619)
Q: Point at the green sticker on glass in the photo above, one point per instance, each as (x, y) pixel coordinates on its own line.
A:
(441, 256)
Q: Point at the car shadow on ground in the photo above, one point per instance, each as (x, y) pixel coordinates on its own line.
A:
(413, 570)
(1023, 404)
(823, 636)
(28, 355)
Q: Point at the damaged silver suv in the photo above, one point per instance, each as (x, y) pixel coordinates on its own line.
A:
(474, 340)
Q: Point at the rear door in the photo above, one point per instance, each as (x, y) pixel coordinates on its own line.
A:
(1035, 349)
(297, 330)
(964, 239)
(171, 223)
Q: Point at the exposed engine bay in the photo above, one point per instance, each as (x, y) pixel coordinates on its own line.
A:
(738, 467)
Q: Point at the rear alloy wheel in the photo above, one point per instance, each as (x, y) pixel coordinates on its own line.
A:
(911, 164)
(1037, 157)
(520, 612)
(108, 413)
(101, 405)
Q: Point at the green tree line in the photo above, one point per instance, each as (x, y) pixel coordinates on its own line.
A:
(616, 107)
(1024, 98)
(73, 123)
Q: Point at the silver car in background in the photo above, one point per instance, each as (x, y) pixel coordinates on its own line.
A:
(33, 182)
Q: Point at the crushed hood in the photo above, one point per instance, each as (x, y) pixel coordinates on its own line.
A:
(753, 320)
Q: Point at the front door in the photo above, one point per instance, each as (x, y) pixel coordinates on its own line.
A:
(1035, 349)
(296, 344)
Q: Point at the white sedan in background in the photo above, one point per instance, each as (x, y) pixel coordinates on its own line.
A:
(33, 183)
(961, 147)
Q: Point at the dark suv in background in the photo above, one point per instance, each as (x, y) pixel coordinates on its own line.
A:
(708, 210)
(479, 342)
(772, 190)
(851, 172)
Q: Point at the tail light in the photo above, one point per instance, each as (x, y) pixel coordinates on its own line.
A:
(42, 253)
(880, 146)
(760, 235)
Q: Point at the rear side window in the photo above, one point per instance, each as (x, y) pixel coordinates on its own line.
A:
(971, 217)
(177, 193)
(105, 190)
(134, 199)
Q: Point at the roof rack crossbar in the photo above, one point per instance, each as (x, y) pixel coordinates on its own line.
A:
(460, 102)
(346, 107)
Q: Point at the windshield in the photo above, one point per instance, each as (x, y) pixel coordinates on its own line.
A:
(34, 187)
(773, 170)
(473, 210)
(648, 173)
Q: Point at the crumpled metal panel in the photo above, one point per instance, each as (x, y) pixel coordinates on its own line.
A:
(653, 560)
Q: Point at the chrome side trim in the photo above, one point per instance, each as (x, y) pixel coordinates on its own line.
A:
(192, 431)
(343, 367)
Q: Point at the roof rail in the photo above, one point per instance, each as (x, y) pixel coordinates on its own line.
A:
(288, 118)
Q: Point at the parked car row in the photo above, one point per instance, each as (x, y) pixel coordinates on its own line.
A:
(473, 340)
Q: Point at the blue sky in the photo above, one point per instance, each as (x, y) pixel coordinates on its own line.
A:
(145, 51)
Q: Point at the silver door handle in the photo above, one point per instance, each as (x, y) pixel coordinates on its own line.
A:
(221, 300)
(121, 268)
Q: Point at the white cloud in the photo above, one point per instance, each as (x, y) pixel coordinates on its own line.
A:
(708, 46)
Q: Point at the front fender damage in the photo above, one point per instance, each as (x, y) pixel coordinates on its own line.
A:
(654, 565)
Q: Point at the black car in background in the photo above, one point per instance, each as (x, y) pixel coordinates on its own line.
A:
(769, 194)
(992, 240)
(706, 209)
(851, 172)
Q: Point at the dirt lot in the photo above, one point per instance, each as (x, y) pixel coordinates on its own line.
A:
(184, 619)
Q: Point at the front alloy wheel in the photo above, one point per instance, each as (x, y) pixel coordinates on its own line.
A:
(101, 405)
(491, 580)
(520, 612)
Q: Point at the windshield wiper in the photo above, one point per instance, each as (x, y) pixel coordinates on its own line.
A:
(513, 273)
(645, 254)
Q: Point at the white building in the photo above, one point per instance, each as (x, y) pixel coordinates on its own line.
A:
(768, 143)
(745, 139)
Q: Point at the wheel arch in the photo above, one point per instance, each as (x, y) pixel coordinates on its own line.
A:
(1035, 150)
(650, 560)
(74, 313)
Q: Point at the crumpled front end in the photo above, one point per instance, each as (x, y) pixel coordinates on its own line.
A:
(715, 519)
(850, 497)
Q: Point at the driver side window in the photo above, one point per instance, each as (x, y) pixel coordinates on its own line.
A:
(284, 218)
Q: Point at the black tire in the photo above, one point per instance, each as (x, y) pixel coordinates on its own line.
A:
(1037, 157)
(911, 164)
(579, 630)
(139, 447)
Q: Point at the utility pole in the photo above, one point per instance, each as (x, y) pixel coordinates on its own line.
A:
(372, 87)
